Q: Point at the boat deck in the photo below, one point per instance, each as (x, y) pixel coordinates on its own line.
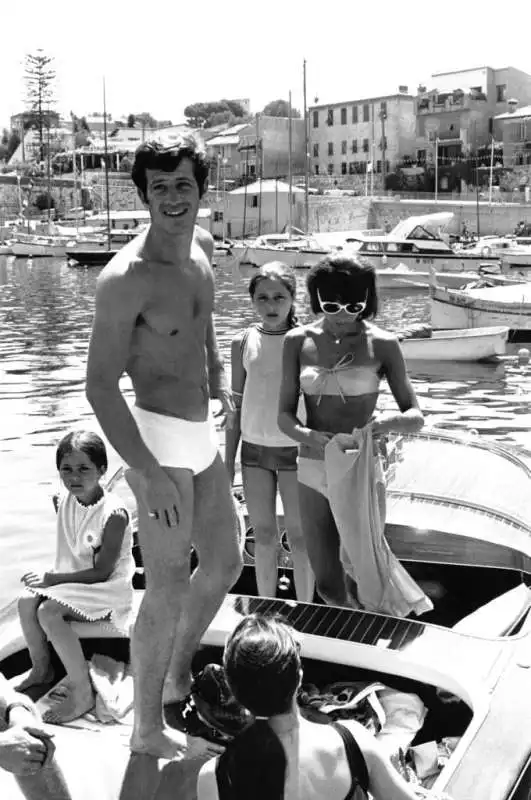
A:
(97, 765)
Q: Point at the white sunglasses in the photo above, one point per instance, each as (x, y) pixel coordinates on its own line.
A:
(332, 307)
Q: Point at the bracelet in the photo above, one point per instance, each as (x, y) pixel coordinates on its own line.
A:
(17, 704)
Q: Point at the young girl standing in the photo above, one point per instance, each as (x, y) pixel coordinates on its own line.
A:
(268, 456)
(91, 579)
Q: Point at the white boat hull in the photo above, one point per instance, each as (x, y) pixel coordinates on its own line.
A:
(451, 309)
(27, 250)
(441, 263)
(479, 344)
(5, 250)
(410, 279)
(297, 259)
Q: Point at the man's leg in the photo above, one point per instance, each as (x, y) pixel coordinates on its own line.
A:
(166, 557)
(215, 538)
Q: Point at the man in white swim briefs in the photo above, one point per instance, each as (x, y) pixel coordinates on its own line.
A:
(153, 320)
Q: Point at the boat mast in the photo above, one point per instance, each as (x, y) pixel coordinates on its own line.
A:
(290, 190)
(306, 150)
(74, 165)
(106, 168)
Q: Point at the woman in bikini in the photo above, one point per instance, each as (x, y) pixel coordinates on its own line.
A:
(338, 362)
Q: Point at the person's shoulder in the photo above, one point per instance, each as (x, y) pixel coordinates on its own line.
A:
(205, 240)
(379, 335)
(297, 334)
(124, 269)
(242, 335)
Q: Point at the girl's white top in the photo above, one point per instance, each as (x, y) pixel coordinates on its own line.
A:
(79, 536)
(262, 360)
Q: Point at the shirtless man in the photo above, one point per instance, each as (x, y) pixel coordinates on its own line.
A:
(153, 319)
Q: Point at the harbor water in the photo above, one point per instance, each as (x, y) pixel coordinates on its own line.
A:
(46, 311)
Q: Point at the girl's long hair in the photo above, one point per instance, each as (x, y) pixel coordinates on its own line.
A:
(263, 667)
(277, 271)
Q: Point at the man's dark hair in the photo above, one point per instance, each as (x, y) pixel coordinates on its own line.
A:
(155, 155)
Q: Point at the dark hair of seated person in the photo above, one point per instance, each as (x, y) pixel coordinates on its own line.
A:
(263, 668)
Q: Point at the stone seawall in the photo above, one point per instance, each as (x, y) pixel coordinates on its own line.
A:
(498, 218)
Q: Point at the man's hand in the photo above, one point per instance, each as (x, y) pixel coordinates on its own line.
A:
(24, 751)
(225, 415)
(318, 440)
(162, 498)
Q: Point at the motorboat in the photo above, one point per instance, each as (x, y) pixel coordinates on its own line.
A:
(98, 249)
(28, 245)
(468, 344)
(482, 304)
(417, 243)
(507, 248)
(459, 519)
(403, 277)
(297, 251)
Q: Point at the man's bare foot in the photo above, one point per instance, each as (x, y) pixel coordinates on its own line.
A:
(35, 677)
(165, 743)
(66, 702)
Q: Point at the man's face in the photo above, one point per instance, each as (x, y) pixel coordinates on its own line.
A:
(173, 197)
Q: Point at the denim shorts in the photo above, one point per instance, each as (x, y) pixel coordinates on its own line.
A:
(270, 458)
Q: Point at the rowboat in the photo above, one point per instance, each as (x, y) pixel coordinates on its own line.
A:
(459, 519)
(481, 305)
(468, 344)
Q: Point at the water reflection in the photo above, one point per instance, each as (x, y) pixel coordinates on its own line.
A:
(46, 311)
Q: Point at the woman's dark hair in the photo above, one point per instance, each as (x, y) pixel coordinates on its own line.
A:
(277, 271)
(262, 665)
(155, 155)
(86, 441)
(343, 278)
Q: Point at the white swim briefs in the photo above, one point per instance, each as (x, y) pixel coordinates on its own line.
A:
(178, 442)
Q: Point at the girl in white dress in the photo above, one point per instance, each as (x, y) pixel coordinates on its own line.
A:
(91, 579)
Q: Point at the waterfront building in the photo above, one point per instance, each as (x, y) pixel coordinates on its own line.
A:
(456, 118)
(352, 137)
(515, 125)
(257, 208)
(256, 149)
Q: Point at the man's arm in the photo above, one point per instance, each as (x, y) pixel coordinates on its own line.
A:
(117, 307)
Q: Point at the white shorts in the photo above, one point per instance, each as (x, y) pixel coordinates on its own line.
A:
(178, 442)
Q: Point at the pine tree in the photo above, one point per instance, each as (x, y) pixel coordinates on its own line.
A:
(39, 78)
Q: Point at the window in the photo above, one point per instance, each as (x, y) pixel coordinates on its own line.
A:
(343, 167)
(330, 148)
(378, 166)
(366, 112)
(354, 145)
(351, 167)
(254, 201)
(501, 92)
(316, 150)
(218, 216)
(387, 166)
(343, 116)
(330, 117)
(491, 125)
(317, 169)
(365, 145)
(355, 114)
(343, 148)
(383, 107)
(315, 119)
(330, 169)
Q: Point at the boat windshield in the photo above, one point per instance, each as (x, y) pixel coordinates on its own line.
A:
(419, 232)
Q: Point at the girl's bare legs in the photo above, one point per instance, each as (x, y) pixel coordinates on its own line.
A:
(322, 544)
(74, 696)
(41, 669)
(260, 489)
(302, 571)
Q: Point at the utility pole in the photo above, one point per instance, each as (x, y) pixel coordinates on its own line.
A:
(290, 191)
(436, 167)
(259, 170)
(383, 117)
(306, 150)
